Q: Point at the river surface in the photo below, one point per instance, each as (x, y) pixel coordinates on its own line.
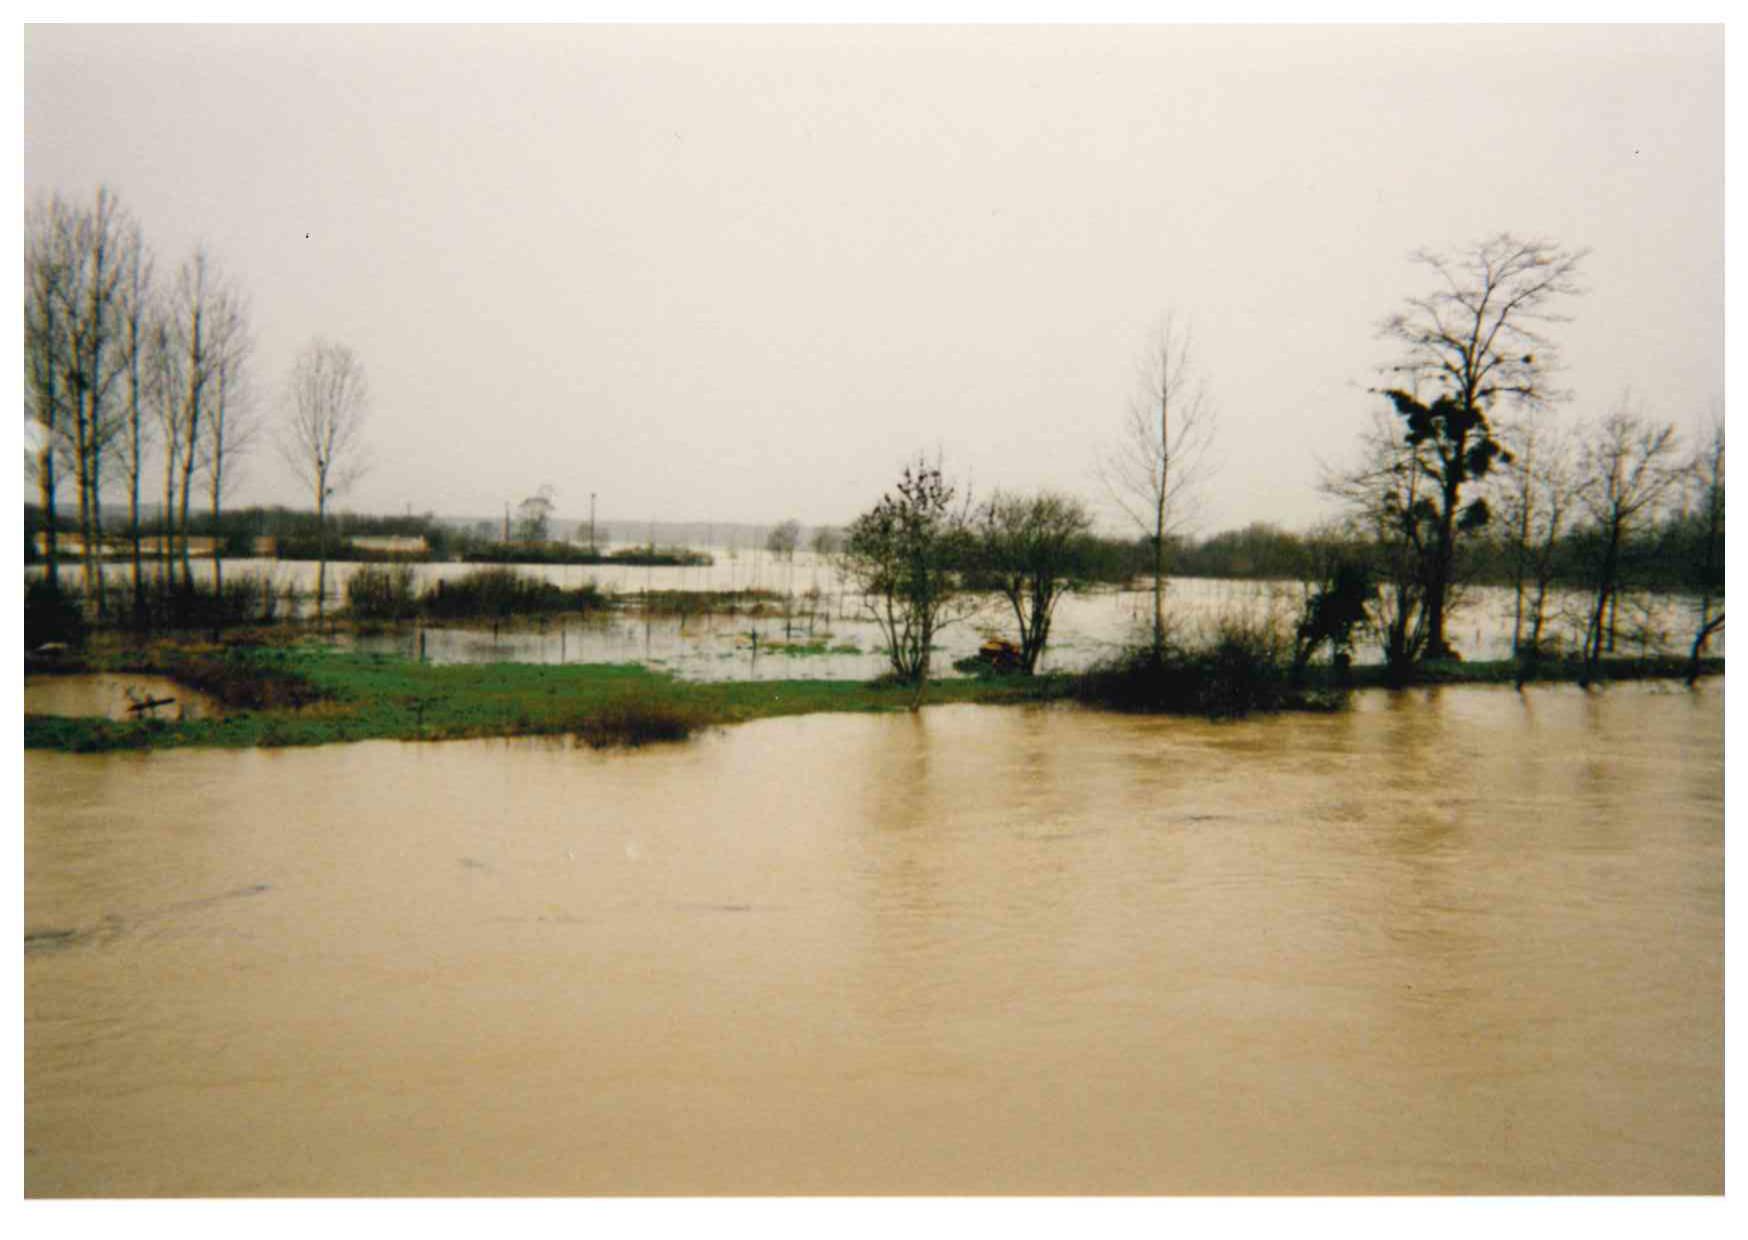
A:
(1451, 941)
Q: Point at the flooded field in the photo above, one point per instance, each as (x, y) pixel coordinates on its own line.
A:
(841, 643)
(1452, 941)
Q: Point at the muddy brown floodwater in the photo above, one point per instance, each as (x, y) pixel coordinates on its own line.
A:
(112, 695)
(1453, 941)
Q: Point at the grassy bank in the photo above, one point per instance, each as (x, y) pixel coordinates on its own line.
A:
(311, 694)
(348, 696)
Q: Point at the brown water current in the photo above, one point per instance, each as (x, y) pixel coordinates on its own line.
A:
(1452, 941)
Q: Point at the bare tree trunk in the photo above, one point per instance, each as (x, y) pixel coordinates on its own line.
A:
(46, 483)
(167, 525)
(97, 520)
(1596, 631)
(1159, 511)
(1711, 626)
(1517, 611)
(218, 571)
(1520, 566)
(1444, 560)
(133, 529)
(182, 505)
(321, 546)
(82, 481)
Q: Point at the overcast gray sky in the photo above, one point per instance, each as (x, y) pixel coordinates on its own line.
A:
(742, 273)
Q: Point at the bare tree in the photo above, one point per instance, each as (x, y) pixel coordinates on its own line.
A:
(1162, 452)
(230, 426)
(165, 387)
(783, 539)
(1625, 471)
(136, 314)
(1034, 547)
(95, 330)
(327, 401)
(48, 263)
(1706, 475)
(1475, 341)
(534, 514)
(1537, 498)
(75, 259)
(204, 341)
(781, 543)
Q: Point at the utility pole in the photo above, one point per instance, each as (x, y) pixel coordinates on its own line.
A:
(591, 523)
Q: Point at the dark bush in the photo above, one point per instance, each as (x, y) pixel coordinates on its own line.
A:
(499, 593)
(52, 614)
(1245, 668)
(634, 721)
(170, 604)
(382, 593)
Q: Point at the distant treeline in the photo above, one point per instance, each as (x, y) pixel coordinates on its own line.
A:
(295, 536)
(570, 553)
(294, 531)
(1667, 556)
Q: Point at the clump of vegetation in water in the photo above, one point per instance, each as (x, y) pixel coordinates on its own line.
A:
(382, 592)
(706, 602)
(816, 648)
(568, 553)
(499, 593)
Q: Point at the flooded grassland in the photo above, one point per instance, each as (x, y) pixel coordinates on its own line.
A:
(1454, 940)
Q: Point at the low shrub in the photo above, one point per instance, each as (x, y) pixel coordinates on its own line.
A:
(635, 721)
(499, 593)
(382, 592)
(166, 603)
(706, 602)
(1245, 666)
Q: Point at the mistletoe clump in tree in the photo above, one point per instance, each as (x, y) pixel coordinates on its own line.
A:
(1474, 342)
